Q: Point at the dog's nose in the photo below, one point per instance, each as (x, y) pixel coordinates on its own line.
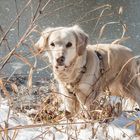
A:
(60, 60)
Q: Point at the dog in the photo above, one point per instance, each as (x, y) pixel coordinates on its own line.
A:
(83, 71)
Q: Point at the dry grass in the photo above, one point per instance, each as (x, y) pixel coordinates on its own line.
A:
(44, 98)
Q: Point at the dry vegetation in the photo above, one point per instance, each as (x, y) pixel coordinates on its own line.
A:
(40, 100)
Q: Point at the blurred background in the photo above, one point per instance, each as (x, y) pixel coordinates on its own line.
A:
(104, 21)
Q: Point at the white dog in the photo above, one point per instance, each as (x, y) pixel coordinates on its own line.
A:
(83, 71)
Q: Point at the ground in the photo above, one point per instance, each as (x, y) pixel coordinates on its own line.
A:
(40, 115)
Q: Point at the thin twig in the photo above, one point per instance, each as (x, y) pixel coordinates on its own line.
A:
(7, 31)
(53, 124)
(18, 18)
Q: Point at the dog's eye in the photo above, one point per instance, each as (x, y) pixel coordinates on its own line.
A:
(52, 44)
(69, 44)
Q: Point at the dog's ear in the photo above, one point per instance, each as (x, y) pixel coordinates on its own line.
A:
(81, 39)
(42, 43)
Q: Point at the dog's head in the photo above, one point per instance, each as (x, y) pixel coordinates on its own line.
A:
(62, 45)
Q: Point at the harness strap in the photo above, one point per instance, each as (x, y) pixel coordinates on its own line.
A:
(83, 70)
(72, 85)
(100, 57)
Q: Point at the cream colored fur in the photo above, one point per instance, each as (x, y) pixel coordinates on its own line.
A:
(119, 67)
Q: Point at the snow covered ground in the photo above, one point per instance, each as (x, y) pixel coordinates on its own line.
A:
(116, 130)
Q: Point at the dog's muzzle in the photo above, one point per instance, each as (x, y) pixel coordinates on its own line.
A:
(60, 61)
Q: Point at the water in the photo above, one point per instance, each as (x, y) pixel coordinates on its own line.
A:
(66, 13)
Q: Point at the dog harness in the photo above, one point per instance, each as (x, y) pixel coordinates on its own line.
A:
(71, 86)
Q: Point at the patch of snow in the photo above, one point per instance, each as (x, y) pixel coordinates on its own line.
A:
(113, 130)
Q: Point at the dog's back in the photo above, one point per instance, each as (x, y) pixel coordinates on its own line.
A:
(120, 68)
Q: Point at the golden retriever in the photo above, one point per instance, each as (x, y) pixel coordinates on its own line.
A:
(84, 71)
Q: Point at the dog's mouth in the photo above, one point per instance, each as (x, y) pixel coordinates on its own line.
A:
(63, 67)
(60, 67)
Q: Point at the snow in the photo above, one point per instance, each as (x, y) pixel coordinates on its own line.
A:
(114, 130)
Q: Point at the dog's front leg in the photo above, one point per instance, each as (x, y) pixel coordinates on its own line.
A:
(82, 93)
(85, 102)
(70, 101)
(85, 95)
